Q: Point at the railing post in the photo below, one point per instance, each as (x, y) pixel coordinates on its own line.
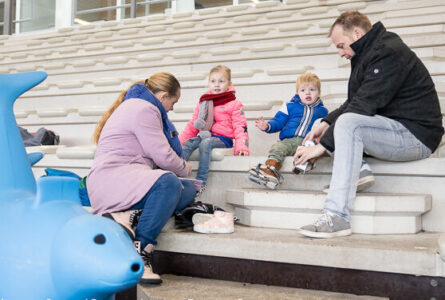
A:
(8, 17)
(133, 9)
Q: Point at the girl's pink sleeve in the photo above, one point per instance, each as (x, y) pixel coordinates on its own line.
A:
(190, 131)
(239, 124)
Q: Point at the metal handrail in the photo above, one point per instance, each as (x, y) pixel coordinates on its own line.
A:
(93, 10)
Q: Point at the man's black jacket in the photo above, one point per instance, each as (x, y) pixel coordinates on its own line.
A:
(388, 79)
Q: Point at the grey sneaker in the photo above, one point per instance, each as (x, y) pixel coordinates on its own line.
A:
(365, 180)
(327, 226)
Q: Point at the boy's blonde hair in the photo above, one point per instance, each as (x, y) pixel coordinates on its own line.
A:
(223, 69)
(309, 78)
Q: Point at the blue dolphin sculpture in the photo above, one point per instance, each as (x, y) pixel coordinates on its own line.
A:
(50, 246)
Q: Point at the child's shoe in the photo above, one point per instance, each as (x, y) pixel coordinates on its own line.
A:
(267, 175)
(220, 222)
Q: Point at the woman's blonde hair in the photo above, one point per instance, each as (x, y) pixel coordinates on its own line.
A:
(158, 82)
(309, 78)
(223, 69)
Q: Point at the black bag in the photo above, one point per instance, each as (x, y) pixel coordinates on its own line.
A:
(183, 219)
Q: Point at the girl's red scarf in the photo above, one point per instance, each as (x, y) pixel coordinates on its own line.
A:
(218, 99)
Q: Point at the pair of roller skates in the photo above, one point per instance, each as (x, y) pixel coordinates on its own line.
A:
(269, 174)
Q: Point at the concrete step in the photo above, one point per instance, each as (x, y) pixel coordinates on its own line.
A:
(415, 254)
(183, 287)
(373, 213)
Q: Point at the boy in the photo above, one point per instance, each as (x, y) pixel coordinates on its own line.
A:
(294, 120)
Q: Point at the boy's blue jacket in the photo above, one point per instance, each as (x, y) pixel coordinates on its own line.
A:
(296, 118)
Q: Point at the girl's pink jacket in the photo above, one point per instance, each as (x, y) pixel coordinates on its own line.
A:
(229, 121)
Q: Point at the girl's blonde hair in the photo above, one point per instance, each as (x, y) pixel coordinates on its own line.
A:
(223, 69)
(158, 82)
(309, 78)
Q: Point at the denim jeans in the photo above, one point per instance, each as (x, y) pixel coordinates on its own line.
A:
(205, 150)
(377, 136)
(168, 195)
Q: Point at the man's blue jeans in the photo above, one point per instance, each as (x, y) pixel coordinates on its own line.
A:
(377, 136)
(205, 150)
(168, 195)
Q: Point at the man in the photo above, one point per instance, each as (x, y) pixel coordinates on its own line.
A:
(392, 113)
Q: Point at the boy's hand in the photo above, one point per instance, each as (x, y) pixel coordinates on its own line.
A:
(243, 153)
(261, 124)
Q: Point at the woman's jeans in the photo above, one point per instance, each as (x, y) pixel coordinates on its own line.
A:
(168, 195)
(377, 136)
(205, 150)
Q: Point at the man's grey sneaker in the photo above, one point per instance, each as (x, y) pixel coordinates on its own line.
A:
(365, 180)
(327, 226)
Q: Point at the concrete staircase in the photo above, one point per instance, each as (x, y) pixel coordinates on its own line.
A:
(398, 266)
(267, 45)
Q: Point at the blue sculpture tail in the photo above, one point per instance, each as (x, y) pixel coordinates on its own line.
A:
(15, 173)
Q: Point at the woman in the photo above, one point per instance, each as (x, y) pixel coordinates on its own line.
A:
(138, 162)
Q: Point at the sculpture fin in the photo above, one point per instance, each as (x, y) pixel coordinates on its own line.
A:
(16, 176)
(34, 157)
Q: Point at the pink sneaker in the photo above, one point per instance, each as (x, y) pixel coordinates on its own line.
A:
(221, 222)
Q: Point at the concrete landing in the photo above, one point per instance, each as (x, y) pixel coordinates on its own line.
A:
(415, 254)
(181, 287)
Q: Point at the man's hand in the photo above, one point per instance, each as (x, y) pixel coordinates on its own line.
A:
(317, 132)
(303, 154)
(261, 124)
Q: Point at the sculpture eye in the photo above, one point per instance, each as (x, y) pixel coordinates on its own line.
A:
(100, 239)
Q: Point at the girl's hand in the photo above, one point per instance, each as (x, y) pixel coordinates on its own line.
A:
(303, 154)
(243, 153)
(189, 168)
(261, 124)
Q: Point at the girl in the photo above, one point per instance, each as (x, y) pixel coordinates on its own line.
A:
(217, 120)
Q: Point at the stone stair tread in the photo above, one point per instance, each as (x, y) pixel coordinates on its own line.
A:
(183, 287)
(307, 199)
(415, 254)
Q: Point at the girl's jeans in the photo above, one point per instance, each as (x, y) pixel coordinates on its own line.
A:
(168, 195)
(205, 150)
(377, 136)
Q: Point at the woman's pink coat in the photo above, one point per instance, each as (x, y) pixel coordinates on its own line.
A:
(229, 121)
(131, 155)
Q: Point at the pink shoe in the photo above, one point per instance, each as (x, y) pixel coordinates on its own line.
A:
(221, 222)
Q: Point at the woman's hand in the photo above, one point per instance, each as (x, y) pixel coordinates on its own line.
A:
(189, 168)
(303, 154)
(261, 124)
(317, 132)
(243, 153)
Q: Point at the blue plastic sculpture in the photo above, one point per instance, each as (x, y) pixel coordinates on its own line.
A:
(51, 247)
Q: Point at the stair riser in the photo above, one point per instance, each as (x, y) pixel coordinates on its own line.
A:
(387, 224)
